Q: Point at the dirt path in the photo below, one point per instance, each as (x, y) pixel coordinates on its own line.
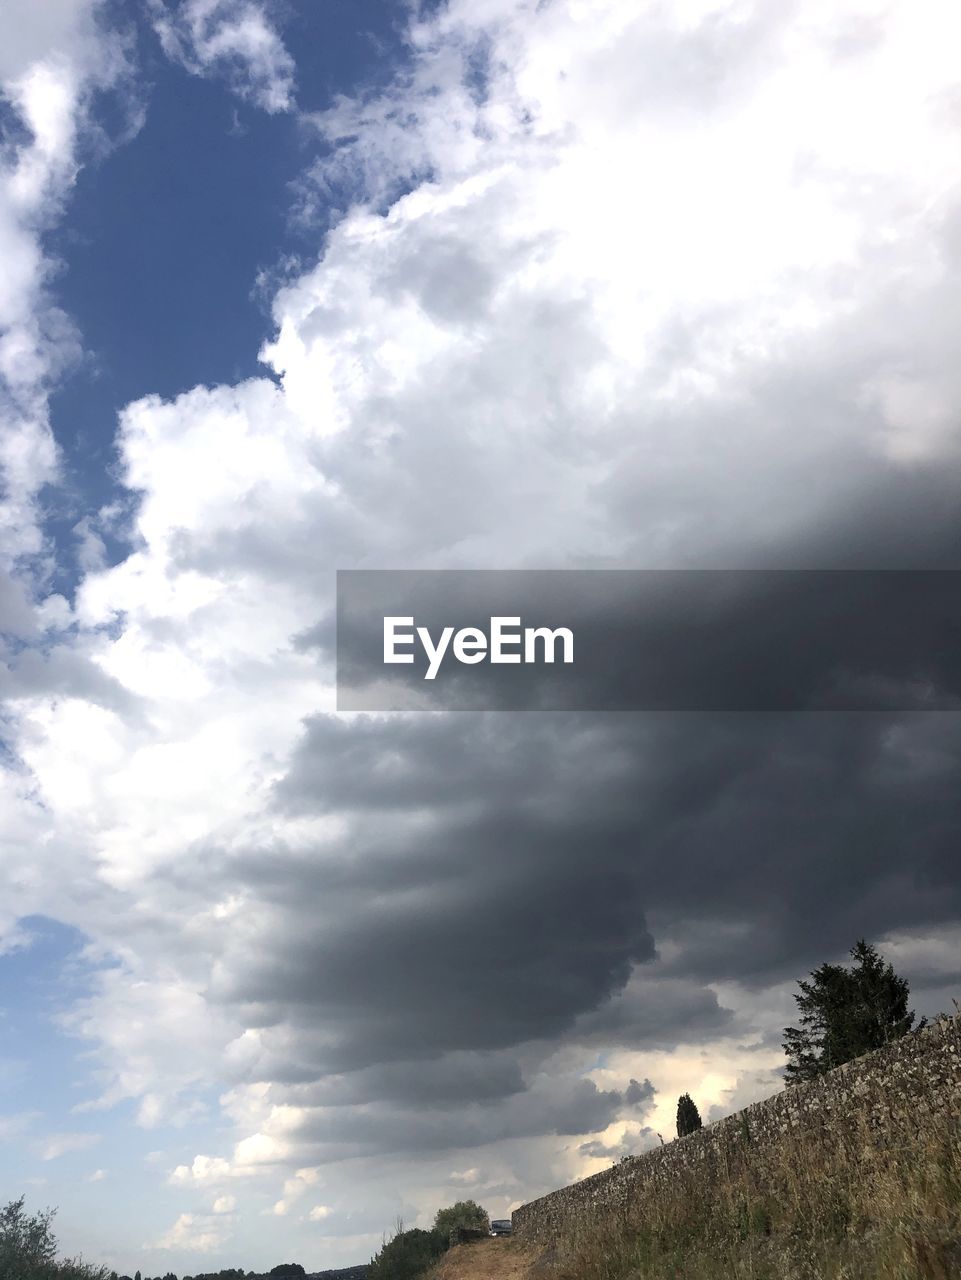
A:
(491, 1260)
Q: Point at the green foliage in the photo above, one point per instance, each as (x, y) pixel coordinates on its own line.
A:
(231, 1273)
(28, 1248)
(846, 1012)
(407, 1255)
(465, 1213)
(688, 1116)
(287, 1271)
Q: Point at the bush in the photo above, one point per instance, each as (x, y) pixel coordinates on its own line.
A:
(465, 1213)
(407, 1255)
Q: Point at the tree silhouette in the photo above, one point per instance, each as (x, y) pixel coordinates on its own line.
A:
(688, 1116)
(846, 1012)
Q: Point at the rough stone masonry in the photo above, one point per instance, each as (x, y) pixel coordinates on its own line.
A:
(909, 1084)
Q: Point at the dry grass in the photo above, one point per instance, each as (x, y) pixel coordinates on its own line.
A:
(839, 1208)
(504, 1259)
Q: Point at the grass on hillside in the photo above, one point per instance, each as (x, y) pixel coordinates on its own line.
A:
(848, 1209)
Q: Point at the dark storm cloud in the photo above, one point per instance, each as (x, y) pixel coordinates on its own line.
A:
(455, 1078)
(557, 1106)
(459, 952)
(899, 520)
(487, 882)
(714, 819)
(375, 764)
(636, 1093)
(655, 1013)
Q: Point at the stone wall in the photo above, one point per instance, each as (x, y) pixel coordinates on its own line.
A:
(911, 1085)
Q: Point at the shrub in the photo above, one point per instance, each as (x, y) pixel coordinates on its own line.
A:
(407, 1255)
(465, 1213)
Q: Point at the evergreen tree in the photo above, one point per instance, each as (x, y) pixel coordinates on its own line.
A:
(846, 1012)
(688, 1116)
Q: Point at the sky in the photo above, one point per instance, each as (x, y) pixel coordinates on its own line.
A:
(313, 285)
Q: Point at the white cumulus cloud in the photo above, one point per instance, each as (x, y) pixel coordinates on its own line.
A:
(194, 1232)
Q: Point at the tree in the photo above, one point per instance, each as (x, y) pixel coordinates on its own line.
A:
(846, 1012)
(465, 1213)
(28, 1248)
(287, 1271)
(406, 1255)
(688, 1116)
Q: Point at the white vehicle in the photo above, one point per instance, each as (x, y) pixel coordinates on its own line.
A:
(501, 1227)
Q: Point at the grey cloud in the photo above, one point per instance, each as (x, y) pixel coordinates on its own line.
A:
(655, 1011)
(483, 898)
(454, 1078)
(16, 614)
(467, 960)
(558, 1107)
(496, 884)
(374, 764)
(66, 672)
(632, 1144)
(636, 1094)
(447, 275)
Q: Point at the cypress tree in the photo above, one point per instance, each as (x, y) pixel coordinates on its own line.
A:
(688, 1116)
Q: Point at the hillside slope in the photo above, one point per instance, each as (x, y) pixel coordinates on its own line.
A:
(503, 1259)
